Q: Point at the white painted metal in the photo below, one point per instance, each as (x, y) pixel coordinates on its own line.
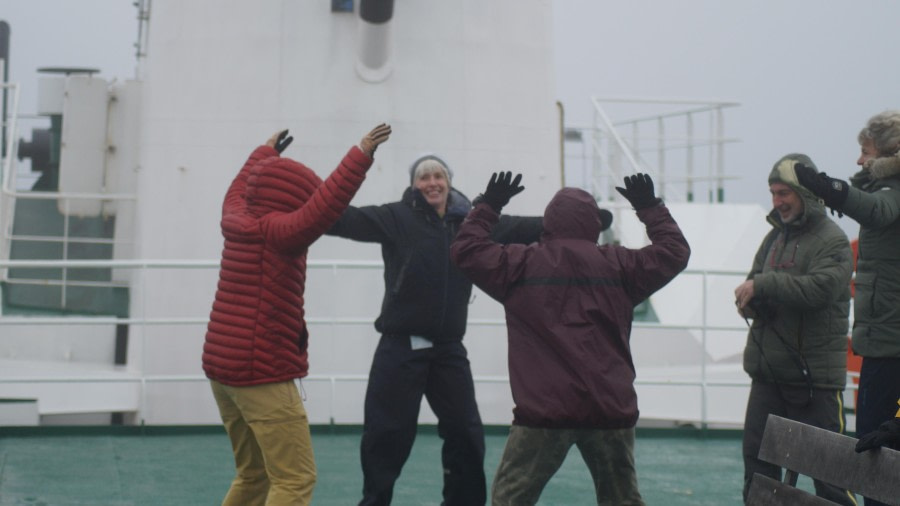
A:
(7, 175)
(83, 143)
(469, 80)
(669, 132)
(19, 412)
(51, 94)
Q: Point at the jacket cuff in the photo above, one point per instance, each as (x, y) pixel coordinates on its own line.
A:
(361, 161)
(266, 151)
(482, 209)
(761, 284)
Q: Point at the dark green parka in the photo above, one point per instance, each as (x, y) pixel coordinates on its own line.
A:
(873, 201)
(801, 279)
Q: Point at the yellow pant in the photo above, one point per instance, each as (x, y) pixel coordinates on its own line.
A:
(269, 434)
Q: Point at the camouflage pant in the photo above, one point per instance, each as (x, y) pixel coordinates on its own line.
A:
(532, 457)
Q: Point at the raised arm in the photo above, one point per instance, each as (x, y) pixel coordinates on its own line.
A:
(297, 230)
(876, 209)
(652, 266)
(489, 264)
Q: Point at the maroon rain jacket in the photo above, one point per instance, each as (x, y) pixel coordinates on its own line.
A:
(569, 305)
(274, 210)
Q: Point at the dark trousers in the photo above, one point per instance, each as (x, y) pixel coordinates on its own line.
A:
(879, 390)
(399, 377)
(825, 410)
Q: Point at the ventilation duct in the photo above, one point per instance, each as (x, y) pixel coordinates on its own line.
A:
(373, 62)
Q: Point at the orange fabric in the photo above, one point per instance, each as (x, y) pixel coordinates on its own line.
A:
(854, 361)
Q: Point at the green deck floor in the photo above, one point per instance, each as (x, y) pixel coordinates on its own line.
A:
(192, 466)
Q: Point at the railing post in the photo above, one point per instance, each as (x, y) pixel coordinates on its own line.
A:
(142, 280)
(704, 414)
(65, 253)
(720, 155)
(661, 155)
(690, 156)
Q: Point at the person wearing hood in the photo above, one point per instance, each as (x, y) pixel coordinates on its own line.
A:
(569, 306)
(798, 295)
(256, 340)
(422, 323)
(872, 199)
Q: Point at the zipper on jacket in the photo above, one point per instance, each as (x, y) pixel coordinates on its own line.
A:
(446, 250)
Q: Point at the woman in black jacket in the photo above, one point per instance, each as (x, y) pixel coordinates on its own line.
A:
(422, 323)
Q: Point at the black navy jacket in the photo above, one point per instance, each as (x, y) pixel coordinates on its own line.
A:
(425, 293)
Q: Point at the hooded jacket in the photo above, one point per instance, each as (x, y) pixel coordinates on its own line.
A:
(873, 200)
(273, 211)
(569, 306)
(801, 284)
(425, 294)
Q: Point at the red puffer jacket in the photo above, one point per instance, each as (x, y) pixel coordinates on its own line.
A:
(274, 210)
(569, 306)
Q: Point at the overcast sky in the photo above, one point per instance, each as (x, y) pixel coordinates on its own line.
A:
(808, 73)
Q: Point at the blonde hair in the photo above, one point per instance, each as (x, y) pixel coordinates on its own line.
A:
(428, 166)
(884, 131)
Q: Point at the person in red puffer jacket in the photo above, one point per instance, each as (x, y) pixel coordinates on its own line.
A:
(256, 341)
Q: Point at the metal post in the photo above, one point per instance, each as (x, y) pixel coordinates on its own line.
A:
(661, 155)
(65, 252)
(4, 68)
(690, 157)
(636, 139)
(711, 185)
(720, 154)
(703, 386)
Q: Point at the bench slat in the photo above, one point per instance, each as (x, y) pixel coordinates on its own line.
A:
(830, 457)
(765, 491)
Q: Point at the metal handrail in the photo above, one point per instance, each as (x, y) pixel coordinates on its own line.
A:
(12, 146)
(605, 128)
(137, 376)
(10, 195)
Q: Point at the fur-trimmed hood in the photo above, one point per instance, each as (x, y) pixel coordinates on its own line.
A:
(884, 167)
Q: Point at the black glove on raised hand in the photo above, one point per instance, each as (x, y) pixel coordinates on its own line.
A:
(500, 189)
(886, 433)
(832, 191)
(283, 141)
(639, 191)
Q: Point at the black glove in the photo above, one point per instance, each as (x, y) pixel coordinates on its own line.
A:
(832, 191)
(500, 189)
(886, 433)
(283, 141)
(639, 191)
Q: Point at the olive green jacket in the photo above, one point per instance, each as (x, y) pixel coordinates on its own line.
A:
(801, 280)
(875, 204)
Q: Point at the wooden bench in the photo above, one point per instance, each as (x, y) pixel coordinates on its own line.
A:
(822, 455)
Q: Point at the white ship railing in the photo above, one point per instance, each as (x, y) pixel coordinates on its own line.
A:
(10, 123)
(683, 148)
(144, 267)
(10, 194)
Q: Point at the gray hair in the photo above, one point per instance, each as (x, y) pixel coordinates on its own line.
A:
(884, 131)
